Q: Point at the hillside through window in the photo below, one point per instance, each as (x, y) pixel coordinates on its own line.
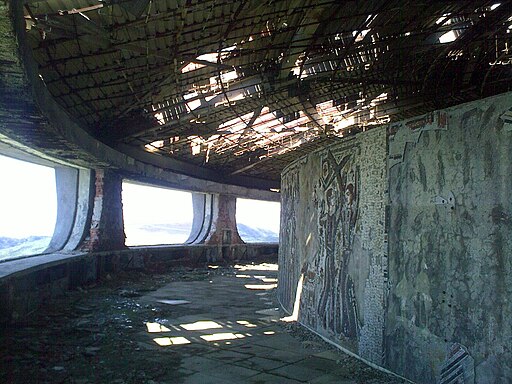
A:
(154, 215)
(28, 207)
(258, 221)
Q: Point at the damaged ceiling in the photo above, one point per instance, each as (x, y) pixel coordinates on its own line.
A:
(245, 87)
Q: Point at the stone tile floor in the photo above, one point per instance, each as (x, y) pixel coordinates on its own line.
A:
(215, 325)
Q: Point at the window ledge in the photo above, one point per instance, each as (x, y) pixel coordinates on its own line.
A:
(24, 265)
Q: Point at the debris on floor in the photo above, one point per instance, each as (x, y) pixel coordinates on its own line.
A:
(188, 326)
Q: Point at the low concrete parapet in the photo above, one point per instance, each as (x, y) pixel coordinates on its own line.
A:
(27, 284)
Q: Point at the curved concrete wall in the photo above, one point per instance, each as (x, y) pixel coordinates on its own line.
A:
(30, 116)
(432, 303)
(332, 234)
(27, 284)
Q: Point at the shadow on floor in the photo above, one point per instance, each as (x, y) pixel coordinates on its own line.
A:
(214, 325)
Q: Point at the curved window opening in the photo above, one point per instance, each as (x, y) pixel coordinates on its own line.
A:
(154, 215)
(28, 208)
(258, 221)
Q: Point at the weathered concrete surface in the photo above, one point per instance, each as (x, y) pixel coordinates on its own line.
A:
(439, 309)
(27, 284)
(33, 121)
(66, 180)
(223, 227)
(202, 206)
(107, 226)
(333, 235)
(201, 326)
(451, 244)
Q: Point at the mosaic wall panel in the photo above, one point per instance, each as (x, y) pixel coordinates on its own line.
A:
(450, 245)
(333, 235)
(401, 241)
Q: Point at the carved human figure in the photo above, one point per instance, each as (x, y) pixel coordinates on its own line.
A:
(337, 216)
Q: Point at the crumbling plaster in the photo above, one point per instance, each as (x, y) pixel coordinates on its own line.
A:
(450, 233)
(428, 253)
(30, 116)
(107, 226)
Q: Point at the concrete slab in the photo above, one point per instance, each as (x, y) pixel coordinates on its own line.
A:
(331, 355)
(261, 363)
(297, 372)
(266, 378)
(330, 379)
(228, 356)
(287, 356)
(282, 341)
(200, 378)
(217, 338)
(319, 364)
(200, 364)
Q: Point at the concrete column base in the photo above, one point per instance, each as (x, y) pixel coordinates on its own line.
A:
(107, 228)
(219, 227)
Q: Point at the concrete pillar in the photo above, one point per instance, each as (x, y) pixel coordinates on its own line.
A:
(66, 180)
(222, 232)
(202, 206)
(74, 208)
(84, 206)
(107, 230)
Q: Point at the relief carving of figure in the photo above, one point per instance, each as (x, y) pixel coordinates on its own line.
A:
(337, 206)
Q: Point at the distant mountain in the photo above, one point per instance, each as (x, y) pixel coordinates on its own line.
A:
(257, 235)
(32, 245)
(7, 242)
(155, 234)
(177, 233)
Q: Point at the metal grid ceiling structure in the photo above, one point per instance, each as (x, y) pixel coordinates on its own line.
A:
(245, 87)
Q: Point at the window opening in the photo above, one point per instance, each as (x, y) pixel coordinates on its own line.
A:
(154, 215)
(258, 221)
(28, 207)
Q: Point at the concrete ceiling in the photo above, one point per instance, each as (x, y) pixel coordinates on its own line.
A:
(244, 87)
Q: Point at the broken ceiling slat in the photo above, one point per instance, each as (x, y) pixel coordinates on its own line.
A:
(316, 62)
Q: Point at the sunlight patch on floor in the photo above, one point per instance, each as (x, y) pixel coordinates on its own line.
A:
(156, 328)
(260, 286)
(166, 341)
(222, 336)
(257, 267)
(246, 323)
(201, 325)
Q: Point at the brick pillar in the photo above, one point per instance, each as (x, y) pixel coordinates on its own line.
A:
(107, 229)
(223, 231)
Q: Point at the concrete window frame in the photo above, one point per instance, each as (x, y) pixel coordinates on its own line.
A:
(197, 222)
(202, 205)
(74, 188)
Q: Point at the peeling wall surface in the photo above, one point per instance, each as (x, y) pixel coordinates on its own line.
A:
(403, 238)
(450, 245)
(107, 228)
(332, 231)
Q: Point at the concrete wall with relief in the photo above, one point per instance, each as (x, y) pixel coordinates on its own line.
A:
(332, 247)
(450, 245)
(434, 303)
